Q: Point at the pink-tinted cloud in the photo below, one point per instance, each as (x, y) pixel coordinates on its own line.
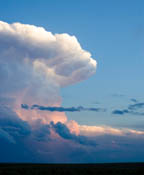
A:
(107, 130)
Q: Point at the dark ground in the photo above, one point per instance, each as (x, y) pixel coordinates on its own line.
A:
(70, 169)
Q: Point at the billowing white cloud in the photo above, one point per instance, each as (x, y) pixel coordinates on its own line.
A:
(35, 63)
(57, 57)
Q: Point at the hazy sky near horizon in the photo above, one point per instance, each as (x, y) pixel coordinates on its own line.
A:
(113, 33)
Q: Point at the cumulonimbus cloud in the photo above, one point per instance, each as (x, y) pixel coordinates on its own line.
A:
(35, 64)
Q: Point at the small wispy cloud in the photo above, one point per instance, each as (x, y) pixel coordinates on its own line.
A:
(118, 95)
(136, 106)
(133, 109)
(120, 112)
(61, 109)
(134, 100)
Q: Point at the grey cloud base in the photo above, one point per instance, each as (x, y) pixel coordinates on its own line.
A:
(20, 142)
(17, 137)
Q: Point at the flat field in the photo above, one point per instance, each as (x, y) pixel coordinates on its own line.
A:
(73, 169)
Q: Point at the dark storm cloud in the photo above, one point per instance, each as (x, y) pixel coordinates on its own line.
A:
(64, 132)
(42, 133)
(13, 128)
(61, 109)
(21, 143)
(4, 135)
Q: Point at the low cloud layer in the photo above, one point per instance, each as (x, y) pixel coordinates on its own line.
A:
(54, 142)
(12, 128)
(107, 130)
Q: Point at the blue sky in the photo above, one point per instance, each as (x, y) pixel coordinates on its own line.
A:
(113, 32)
